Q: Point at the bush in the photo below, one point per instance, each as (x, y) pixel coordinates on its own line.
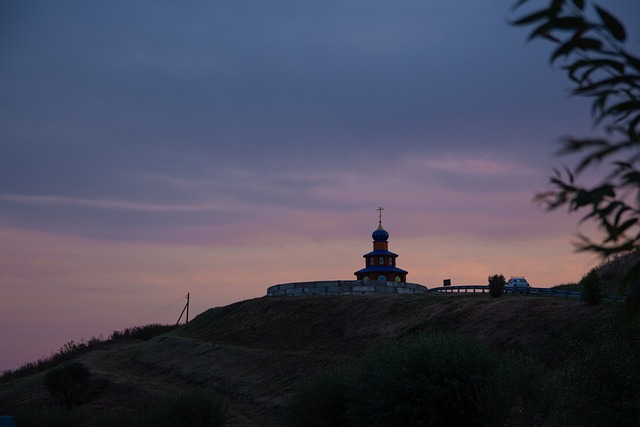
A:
(602, 382)
(50, 417)
(67, 384)
(143, 333)
(442, 380)
(187, 409)
(591, 287)
(496, 285)
(67, 352)
(72, 349)
(120, 417)
(430, 381)
(321, 400)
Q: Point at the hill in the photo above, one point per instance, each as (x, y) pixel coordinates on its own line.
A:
(254, 352)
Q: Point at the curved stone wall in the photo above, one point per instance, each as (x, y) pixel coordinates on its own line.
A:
(344, 287)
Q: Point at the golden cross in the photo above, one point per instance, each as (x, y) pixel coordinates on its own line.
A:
(380, 209)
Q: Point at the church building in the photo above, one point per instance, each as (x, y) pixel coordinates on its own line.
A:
(379, 276)
(380, 264)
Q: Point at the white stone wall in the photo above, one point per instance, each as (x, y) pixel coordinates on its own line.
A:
(344, 287)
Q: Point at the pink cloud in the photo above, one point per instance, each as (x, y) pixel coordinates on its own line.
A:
(477, 166)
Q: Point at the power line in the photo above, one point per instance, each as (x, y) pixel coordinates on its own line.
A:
(160, 311)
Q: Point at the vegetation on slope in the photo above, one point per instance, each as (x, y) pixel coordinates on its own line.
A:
(255, 354)
(607, 278)
(71, 350)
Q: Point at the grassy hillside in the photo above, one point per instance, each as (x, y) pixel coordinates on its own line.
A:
(253, 353)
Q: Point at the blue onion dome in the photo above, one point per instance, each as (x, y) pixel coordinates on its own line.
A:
(380, 235)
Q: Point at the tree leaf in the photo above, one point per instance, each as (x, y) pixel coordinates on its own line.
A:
(632, 178)
(626, 107)
(519, 3)
(612, 24)
(633, 124)
(632, 60)
(622, 208)
(576, 43)
(587, 43)
(541, 31)
(566, 23)
(579, 4)
(595, 157)
(627, 224)
(612, 82)
(556, 6)
(564, 49)
(536, 16)
(601, 101)
(569, 23)
(572, 145)
(592, 65)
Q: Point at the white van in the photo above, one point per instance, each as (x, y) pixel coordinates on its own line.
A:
(517, 284)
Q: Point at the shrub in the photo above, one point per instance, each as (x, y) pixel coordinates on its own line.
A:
(531, 392)
(187, 409)
(441, 380)
(50, 417)
(72, 349)
(601, 383)
(143, 333)
(320, 400)
(120, 417)
(67, 352)
(496, 285)
(67, 383)
(430, 381)
(591, 287)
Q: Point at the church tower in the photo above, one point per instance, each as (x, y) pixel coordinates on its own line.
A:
(380, 264)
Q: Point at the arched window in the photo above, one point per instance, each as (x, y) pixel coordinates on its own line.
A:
(381, 261)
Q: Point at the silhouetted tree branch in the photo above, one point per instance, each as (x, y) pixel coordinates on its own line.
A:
(590, 43)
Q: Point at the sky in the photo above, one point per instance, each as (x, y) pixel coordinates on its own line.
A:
(150, 149)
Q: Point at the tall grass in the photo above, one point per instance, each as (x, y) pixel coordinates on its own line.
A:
(73, 349)
(433, 380)
(453, 380)
(184, 409)
(607, 278)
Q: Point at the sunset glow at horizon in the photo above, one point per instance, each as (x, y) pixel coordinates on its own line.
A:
(151, 149)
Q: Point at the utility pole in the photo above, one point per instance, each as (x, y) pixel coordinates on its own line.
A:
(186, 308)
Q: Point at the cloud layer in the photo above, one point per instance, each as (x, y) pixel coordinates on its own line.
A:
(149, 149)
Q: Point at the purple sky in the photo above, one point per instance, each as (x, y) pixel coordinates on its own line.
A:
(154, 148)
